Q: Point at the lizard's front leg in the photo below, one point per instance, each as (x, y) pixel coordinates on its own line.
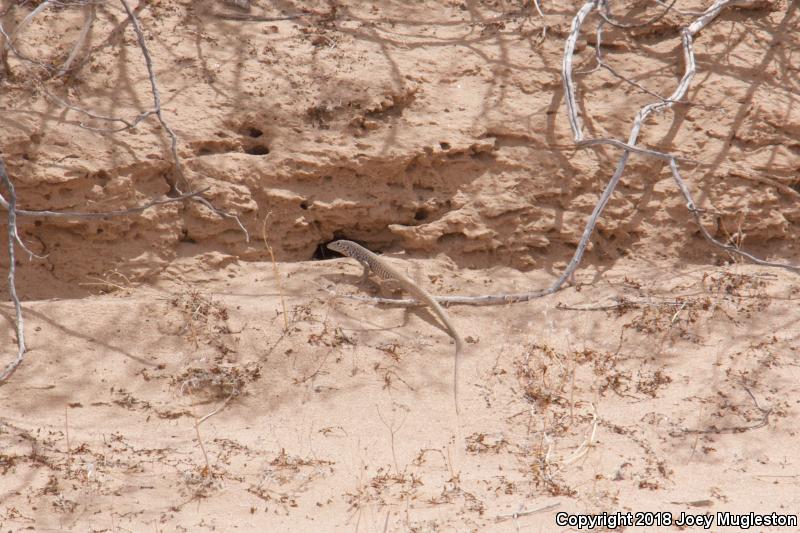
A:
(365, 274)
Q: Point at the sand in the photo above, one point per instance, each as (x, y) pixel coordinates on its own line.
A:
(174, 383)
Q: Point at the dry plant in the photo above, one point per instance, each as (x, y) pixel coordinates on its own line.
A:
(120, 282)
(275, 271)
(393, 429)
(204, 319)
(215, 383)
(219, 381)
(548, 385)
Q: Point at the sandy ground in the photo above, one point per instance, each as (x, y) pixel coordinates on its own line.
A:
(173, 385)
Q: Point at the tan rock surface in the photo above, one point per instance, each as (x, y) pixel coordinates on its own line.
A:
(433, 131)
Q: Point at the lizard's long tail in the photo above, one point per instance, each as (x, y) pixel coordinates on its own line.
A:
(456, 364)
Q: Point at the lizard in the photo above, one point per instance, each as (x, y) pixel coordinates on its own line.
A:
(371, 262)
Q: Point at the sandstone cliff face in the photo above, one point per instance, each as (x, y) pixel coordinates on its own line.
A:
(443, 137)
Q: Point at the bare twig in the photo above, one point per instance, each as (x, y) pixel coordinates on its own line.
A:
(566, 70)
(392, 431)
(275, 271)
(13, 236)
(731, 429)
(602, 64)
(633, 149)
(156, 95)
(690, 68)
(101, 214)
(207, 469)
(173, 138)
(254, 18)
(28, 18)
(10, 204)
(587, 443)
(621, 303)
(89, 11)
(128, 124)
(605, 14)
(223, 214)
(525, 512)
(222, 406)
(12, 288)
(9, 45)
(695, 212)
(544, 21)
(10, 39)
(198, 421)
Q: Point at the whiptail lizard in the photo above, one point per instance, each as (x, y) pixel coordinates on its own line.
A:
(384, 270)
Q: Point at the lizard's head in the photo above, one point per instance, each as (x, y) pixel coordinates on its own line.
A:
(338, 246)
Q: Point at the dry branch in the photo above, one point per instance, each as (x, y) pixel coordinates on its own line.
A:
(128, 124)
(727, 247)
(173, 138)
(602, 64)
(86, 215)
(9, 45)
(154, 89)
(253, 18)
(605, 14)
(89, 12)
(690, 68)
(12, 288)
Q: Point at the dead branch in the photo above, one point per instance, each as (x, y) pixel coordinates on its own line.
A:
(154, 89)
(100, 214)
(28, 18)
(10, 205)
(13, 236)
(128, 124)
(12, 288)
(765, 413)
(605, 14)
(621, 302)
(173, 138)
(9, 45)
(10, 38)
(89, 12)
(690, 68)
(89, 16)
(631, 148)
(275, 271)
(254, 18)
(690, 205)
(110, 39)
(602, 64)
